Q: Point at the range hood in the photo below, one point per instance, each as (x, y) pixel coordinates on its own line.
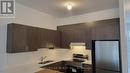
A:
(77, 44)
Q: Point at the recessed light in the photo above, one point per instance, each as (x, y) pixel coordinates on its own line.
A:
(69, 6)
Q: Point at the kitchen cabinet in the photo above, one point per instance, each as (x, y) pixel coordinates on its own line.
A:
(86, 32)
(16, 38)
(21, 38)
(74, 33)
(32, 38)
(106, 30)
(49, 38)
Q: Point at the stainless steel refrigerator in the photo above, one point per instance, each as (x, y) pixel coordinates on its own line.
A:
(106, 56)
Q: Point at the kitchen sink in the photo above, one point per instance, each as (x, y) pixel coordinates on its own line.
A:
(45, 62)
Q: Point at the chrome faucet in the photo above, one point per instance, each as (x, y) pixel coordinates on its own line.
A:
(44, 62)
(42, 58)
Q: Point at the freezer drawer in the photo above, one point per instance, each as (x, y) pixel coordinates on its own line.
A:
(105, 71)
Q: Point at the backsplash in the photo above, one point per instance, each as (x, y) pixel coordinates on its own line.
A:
(19, 59)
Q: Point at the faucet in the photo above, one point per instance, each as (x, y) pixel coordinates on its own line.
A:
(44, 62)
(42, 58)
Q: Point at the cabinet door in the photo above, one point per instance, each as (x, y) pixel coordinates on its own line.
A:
(54, 38)
(86, 32)
(106, 30)
(49, 37)
(16, 41)
(32, 39)
(21, 38)
(75, 33)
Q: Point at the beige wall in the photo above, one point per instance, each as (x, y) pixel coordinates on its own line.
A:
(27, 16)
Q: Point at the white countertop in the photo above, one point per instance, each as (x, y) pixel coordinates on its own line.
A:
(31, 68)
(27, 68)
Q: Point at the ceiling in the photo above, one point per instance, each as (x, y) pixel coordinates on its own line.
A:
(57, 8)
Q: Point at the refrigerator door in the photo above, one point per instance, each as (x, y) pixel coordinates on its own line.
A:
(107, 55)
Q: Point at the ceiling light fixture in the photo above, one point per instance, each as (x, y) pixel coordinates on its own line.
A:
(69, 6)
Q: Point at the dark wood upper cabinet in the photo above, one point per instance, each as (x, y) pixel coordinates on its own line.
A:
(49, 37)
(22, 38)
(74, 33)
(32, 38)
(86, 32)
(106, 30)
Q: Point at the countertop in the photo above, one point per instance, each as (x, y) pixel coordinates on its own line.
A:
(31, 68)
